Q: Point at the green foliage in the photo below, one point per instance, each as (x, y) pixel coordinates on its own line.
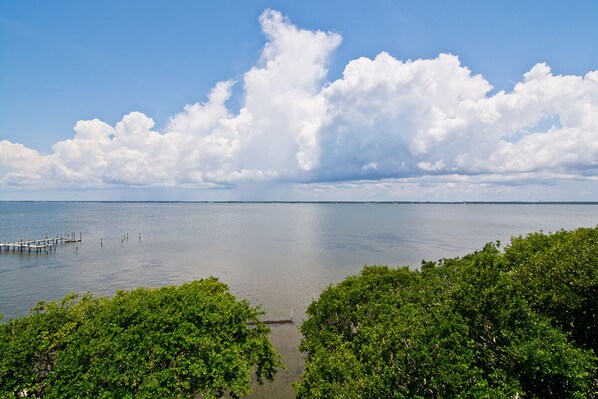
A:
(560, 276)
(171, 342)
(485, 325)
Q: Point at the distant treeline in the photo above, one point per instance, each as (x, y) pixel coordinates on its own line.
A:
(330, 202)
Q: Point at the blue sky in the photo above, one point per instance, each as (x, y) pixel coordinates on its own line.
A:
(70, 61)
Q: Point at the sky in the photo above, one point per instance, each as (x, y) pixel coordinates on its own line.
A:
(299, 101)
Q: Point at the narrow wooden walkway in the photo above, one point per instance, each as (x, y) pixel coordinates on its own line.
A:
(37, 246)
(285, 321)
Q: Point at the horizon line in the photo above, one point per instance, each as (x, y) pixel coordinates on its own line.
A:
(315, 202)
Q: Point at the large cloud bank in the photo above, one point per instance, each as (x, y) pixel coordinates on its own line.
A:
(384, 119)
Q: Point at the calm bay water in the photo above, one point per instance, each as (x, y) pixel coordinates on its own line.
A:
(277, 255)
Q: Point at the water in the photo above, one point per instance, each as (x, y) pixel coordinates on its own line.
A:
(280, 256)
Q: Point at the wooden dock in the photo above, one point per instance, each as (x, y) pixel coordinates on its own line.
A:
(285, 321)
(280, 321)
(44, 245)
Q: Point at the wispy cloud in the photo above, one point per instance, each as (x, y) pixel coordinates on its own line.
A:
(385, 120)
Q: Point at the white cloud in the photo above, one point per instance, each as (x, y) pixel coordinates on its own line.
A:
(20, 165)
(434, 116)
(399, 114)
(385, 122)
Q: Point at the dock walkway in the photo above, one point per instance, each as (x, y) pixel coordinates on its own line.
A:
(37, 246)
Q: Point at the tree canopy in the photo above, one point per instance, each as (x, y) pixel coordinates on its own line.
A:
(519, 323)
(171, 342)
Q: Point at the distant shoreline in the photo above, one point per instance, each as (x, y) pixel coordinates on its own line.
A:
(321, 202)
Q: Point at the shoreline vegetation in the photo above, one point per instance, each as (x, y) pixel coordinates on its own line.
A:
(519, 321)
(324, 202)
(169, 342)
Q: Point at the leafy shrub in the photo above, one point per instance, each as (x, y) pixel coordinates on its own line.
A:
(170, 342)
(489, 324)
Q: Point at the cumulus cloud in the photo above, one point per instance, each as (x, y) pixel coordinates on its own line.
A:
(434, 116)
(383, 119)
